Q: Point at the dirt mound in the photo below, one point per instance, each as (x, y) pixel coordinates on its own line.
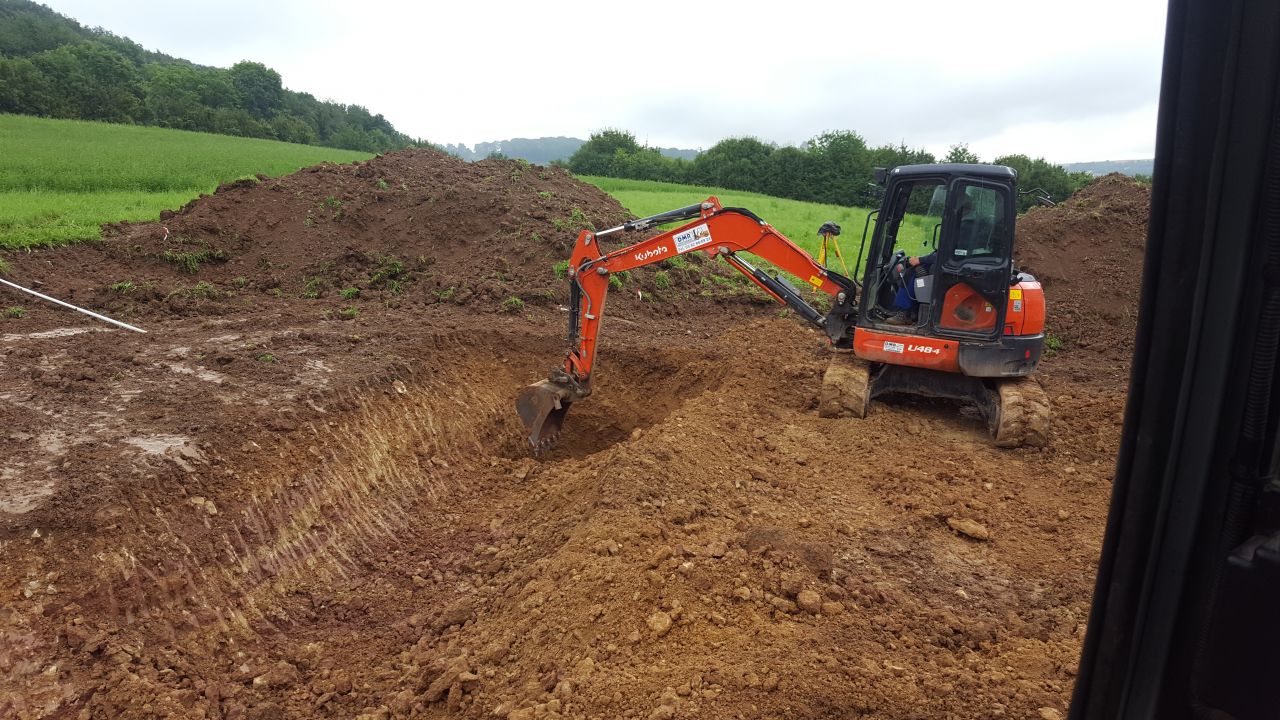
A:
(416, 227)
(1088, 254)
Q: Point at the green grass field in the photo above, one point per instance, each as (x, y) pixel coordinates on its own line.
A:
(61, 179)
(797, 220)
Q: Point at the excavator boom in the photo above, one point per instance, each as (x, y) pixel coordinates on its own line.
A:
(715, 230)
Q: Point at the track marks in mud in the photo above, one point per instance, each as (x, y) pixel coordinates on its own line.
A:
(346, 488)
(316, 506)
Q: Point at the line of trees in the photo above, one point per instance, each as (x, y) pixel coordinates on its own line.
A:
(834, 167)
(51, 66)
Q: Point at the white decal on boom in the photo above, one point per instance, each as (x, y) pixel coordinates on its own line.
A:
(692, 238)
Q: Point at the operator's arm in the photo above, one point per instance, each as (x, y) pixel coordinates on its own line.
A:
(926, 260)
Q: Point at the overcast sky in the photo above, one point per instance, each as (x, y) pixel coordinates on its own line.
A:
(1071, 81)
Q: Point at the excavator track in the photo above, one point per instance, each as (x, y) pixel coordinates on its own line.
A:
(1021, 418)
(846, 387)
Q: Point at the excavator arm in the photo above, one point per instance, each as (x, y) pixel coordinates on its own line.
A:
(713, 229)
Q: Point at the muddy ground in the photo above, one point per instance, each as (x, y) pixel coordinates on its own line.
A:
(282, 502)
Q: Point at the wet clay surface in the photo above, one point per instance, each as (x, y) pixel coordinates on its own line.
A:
(272, 507)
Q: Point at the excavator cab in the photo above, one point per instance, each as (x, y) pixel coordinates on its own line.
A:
(957, 219)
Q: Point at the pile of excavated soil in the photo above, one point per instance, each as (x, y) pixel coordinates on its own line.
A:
(413, 228)
(1088, 254)
(264, 508)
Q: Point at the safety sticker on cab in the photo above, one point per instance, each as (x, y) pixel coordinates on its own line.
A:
(893, 347)
(693, 238)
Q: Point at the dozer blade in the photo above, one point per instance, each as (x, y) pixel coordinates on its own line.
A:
(542, 407)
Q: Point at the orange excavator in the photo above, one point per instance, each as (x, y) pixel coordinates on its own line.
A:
(940, 311)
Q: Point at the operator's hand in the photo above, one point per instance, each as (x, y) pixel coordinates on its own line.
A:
(914, 261)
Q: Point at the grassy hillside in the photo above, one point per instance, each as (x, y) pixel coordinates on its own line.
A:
(61, 179)
(799, 221)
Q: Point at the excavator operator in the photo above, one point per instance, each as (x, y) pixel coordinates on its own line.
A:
(908, 308)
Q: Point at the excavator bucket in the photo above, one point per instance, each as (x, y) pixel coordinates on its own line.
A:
(542, 407)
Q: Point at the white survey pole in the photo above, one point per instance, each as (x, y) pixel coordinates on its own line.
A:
(90, 313)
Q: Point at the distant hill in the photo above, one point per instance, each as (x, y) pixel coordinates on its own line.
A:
(681, 153)
(540, 151)
(1126, 167)
(53, 67)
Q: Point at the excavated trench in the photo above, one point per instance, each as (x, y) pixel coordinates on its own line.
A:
(373, 485)
(396, 450)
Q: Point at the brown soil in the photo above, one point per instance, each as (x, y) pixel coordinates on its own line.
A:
(1088, 253)
(268, 507)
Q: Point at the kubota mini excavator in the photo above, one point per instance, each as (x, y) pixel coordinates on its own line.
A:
(974, 325)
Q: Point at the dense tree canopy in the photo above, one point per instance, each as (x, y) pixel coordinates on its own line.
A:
(52, 67)
(835, 167)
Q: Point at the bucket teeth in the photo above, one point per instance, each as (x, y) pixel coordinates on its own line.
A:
(546, 444)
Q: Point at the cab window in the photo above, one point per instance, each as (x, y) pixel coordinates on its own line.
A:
(917, 217)
(980, 224)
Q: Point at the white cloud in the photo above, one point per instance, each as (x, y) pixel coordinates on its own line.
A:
(1073, 82)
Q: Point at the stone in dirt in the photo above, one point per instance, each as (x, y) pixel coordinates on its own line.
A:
(659, 623)
(662, 712)
(972, 528)
(809, 601)
(438, 687)
(456, 614)
(771, 682)
(660, 555)
(280, 675)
